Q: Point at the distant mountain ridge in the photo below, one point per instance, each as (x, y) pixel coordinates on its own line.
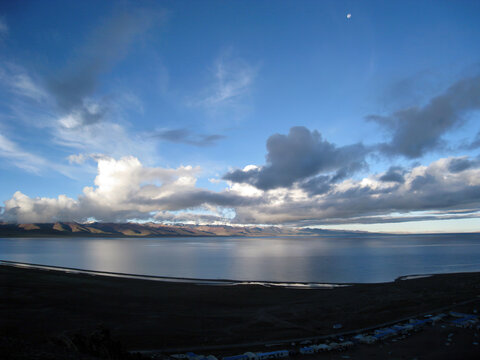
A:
(96, 229)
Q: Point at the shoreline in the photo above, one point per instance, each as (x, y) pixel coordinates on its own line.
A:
(219, 282)
(174, 279)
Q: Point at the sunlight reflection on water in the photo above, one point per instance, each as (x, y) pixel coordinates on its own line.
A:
(320, 259)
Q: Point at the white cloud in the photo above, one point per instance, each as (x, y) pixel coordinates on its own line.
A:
(38, 210)
(120, 183)
(232, 82)
(20, 158)
(105, 137)
(77, 158)
(16, 155)
(123, 189)
(24, 85)
(82, 158)
(20, 83)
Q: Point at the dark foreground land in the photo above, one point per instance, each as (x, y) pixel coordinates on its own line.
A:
(46, 314)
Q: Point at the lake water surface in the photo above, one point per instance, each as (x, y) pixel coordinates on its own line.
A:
(333, 259)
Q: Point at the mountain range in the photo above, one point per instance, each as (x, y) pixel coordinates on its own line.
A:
(98, 229)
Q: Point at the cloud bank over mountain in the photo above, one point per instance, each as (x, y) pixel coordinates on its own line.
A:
(125, 190)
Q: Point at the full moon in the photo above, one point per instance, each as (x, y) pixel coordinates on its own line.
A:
(349, 16)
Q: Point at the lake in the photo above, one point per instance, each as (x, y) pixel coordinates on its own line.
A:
(332, 259)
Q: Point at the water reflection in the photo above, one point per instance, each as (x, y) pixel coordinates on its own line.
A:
(322, 259)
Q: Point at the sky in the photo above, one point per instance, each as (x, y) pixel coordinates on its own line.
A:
(359, 115)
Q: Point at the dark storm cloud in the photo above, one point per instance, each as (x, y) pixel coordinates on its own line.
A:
(462, 164)
(417, 130)
(394, 174)
(342, 207)
(421, 181)
(188, 199)
(185, 136)
(298, 156)
(323, 183)
(317, 185)
(106, 45)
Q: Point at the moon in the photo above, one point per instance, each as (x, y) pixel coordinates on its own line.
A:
(349, 16)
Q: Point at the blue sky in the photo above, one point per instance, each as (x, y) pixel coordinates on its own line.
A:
(150, 110)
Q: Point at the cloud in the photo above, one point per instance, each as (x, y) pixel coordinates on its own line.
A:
(400, 218)
(233, 78)
(16, 155)
(105, 137)
(417, 130)
(73, 85)
(25, 86)
(32, 106)
(372, 200)
(407, 90)
(318, 185)
(185, 136)
(20, 83)
(82, 157)
(119, 188)
(20, 158)
(191, 217)
(299, 156)
(475, 144)
(394, 174)
(123, 189)
(463, 163)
